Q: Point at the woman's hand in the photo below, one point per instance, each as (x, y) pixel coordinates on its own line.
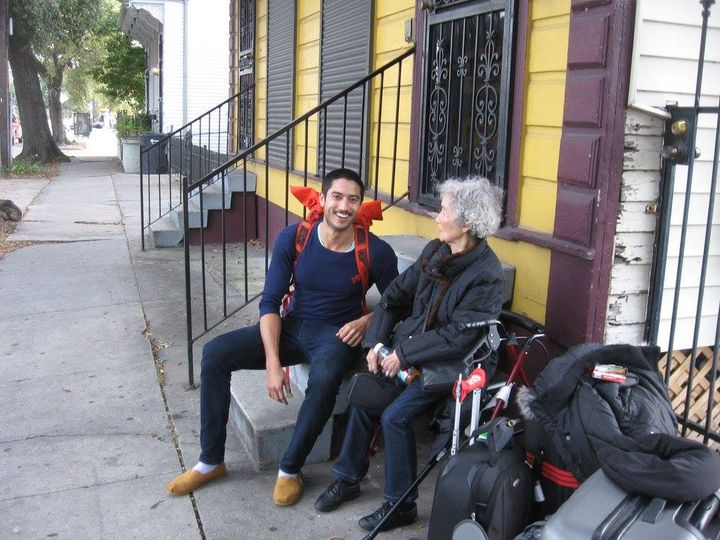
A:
(353, 332)
(390, 364)
(372, 361)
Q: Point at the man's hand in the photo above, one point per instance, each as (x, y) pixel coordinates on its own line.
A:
(353, 332)
(390, 364)
(372, 361)
(277, 384)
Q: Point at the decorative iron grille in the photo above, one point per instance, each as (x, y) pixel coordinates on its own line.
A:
(246, 77)
(465, 95)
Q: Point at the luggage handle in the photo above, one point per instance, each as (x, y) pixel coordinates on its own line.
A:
(653, 510)
(708, 509)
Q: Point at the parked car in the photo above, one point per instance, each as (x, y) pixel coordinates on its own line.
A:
(16, 129)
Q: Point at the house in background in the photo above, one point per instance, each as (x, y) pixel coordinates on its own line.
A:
(572, 106)
(186, 56)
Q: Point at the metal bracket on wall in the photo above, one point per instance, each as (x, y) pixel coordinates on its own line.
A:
(679, 135)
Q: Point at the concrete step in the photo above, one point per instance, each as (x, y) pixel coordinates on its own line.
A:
(165, 232)
(235, 182)
(196, 219)
(168, 231)
(213, 197)
(265, 426)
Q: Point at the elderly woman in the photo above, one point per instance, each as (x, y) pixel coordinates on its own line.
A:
(456, 279)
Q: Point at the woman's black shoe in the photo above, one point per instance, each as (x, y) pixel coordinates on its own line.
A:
(337, 493)
(405, 515)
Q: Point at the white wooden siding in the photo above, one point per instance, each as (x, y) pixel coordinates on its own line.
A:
(208, 65)
(630, 274)
(664, 71)
(172, 65)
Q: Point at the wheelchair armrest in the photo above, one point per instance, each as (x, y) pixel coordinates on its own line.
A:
(526, 323)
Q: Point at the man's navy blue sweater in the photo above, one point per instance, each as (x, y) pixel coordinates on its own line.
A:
(327, 283)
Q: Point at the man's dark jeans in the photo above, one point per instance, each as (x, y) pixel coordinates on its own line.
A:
(311, 342)
(400, 450)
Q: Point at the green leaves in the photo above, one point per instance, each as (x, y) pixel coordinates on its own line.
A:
(130, 125)
(120, 72)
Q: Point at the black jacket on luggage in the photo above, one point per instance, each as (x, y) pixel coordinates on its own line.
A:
(583, 416)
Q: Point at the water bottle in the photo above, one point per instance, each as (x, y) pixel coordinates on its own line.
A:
(407, 376)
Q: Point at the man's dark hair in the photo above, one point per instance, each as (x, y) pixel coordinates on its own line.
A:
(347, 174)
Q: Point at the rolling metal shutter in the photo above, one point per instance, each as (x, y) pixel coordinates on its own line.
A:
(280, 75)
(345, 58)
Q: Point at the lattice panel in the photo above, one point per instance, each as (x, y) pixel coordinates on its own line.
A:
(700, 391)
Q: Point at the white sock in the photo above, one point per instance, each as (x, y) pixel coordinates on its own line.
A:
(204, 468)
(283, 474)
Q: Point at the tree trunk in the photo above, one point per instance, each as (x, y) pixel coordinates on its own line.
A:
(54, 83)
(38, 144)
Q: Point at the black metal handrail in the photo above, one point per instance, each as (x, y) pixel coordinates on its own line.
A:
(187, 152)
(706, 429)
(214, 304)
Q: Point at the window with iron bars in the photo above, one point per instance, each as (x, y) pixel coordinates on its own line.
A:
(466, 93)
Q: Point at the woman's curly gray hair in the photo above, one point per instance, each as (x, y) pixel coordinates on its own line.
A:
(476, 203)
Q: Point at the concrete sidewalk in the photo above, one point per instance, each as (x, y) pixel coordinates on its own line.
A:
(93, 422)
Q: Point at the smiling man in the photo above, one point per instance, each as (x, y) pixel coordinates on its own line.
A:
(323, 327)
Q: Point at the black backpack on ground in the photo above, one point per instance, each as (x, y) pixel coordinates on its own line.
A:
(488, 484)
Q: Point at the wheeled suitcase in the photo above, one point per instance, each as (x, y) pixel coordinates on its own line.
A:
(493, 488)
(600, 510)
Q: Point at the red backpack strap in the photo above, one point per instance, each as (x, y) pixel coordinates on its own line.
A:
(302, 235)
(362, 259)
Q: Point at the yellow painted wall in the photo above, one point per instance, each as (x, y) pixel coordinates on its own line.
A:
(544, 101)
(307, 81)
(260, 72)
(549, 27)
(541, 133)
(389, 43)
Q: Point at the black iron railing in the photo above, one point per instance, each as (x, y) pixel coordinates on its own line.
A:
(223, 277)
(692, 371)
(188, 154)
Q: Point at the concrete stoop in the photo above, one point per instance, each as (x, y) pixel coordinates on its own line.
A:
(265, 426)
(168, 231)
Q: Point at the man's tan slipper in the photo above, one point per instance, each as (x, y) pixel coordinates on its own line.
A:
(287, 490)
(191, 480)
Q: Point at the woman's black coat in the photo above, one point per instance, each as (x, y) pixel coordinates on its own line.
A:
(430, 300)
